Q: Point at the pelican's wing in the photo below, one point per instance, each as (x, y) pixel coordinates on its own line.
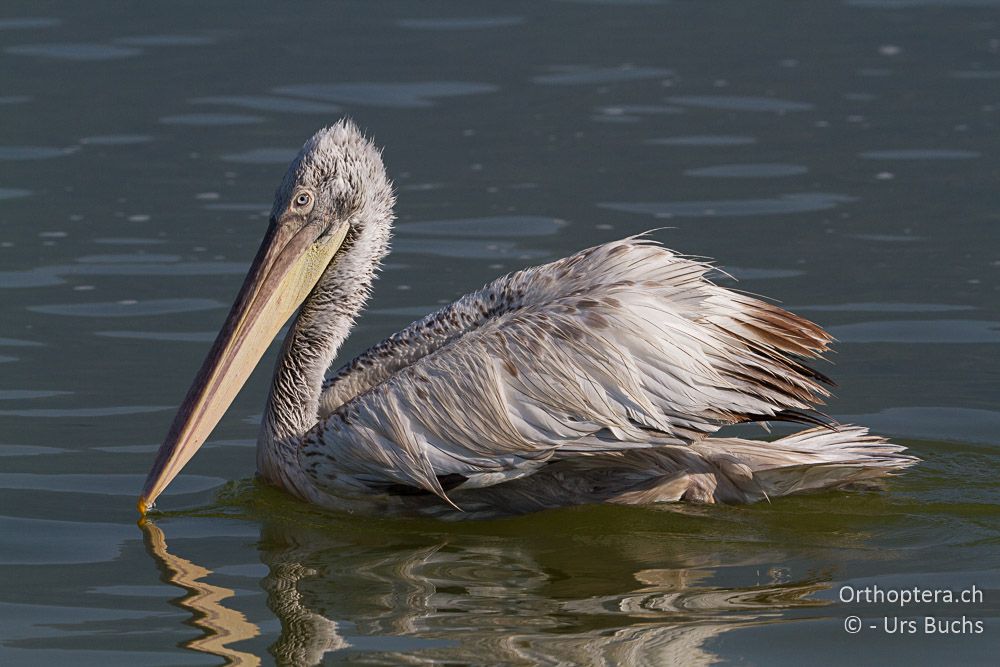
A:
(608, 349)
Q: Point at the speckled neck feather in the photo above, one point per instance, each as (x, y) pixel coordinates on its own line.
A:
(365, 198)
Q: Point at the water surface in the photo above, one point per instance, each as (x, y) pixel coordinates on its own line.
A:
(840, 157)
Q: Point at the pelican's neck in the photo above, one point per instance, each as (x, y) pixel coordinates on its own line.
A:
(321, 326)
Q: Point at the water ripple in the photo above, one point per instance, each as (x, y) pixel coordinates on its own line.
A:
(704, 140)
(42, 541)
(976, 74)
(17, 342)
(904, 4)
(268, 103)
(876, 307)
(134, 257)
(128, 240)
(128, 308)
(249, 207)
(104, 484)
(166, 40)
(152, 448)
(573, 75)
(74, 51)
(794, 203)
(740, 103)
(211, 119)
(919, 154)
(629, 113)
(460, 249)
(757, 170)
(116, 140)
(474, 23)
(13, 193)
(263, 156)
(53, 275)
(740, 273)
(25, 23)
(31, 278)
(516, 226)
(617, 3)
(33, 152)
(420, 94)
(888, 238)
(932, 422)
(58, 413)
(21, 394)
(30, 450)
(918, 331)
(176, 336)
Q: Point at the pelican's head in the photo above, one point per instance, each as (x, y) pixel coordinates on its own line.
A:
(337, 182)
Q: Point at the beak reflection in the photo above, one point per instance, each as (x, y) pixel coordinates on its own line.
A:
(222, 626)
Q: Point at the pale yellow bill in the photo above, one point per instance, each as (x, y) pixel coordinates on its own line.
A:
(288, 265)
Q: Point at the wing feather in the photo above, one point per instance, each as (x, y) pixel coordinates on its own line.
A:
(620, 346)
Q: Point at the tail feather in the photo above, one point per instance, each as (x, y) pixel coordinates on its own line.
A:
(713, 470)
(819, 458)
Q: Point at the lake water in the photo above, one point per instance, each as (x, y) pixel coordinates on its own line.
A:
(841, 157)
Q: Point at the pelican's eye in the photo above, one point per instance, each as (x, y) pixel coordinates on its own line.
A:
(303, 200)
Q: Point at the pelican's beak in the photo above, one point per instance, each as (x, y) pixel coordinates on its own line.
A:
(284, 272)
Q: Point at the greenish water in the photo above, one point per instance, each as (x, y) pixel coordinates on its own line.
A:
(838, 156)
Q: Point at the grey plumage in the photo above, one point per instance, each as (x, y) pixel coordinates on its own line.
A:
(600, 377)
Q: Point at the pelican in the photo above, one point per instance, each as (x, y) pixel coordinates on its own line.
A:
(600, 377)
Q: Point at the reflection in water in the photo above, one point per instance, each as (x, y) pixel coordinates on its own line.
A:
(420, 595)
(222, 626)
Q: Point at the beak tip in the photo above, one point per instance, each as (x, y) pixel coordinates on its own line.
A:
(143, 506)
